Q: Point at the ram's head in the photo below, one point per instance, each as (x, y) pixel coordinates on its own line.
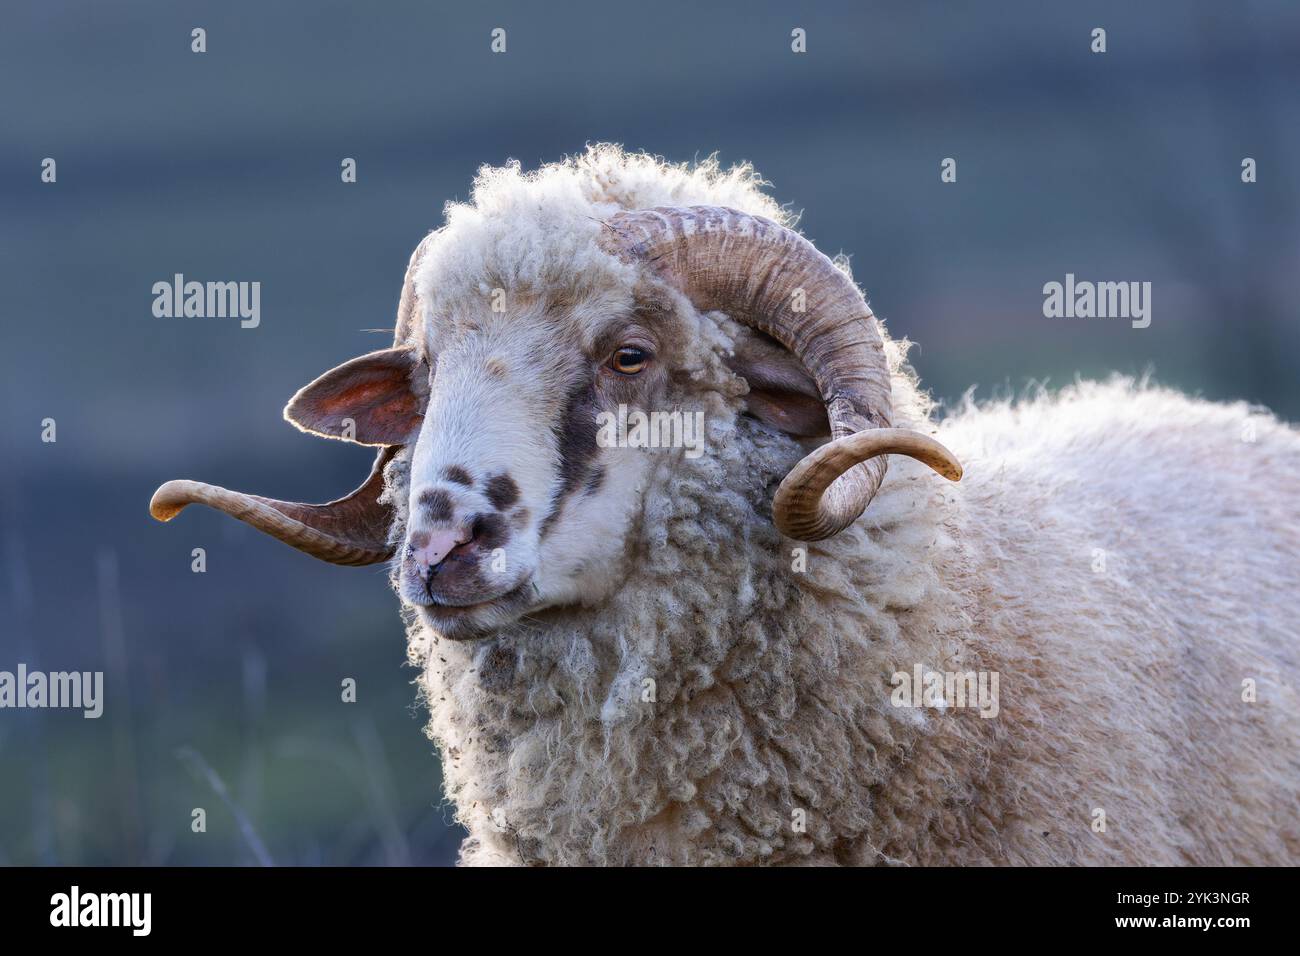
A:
(514, 503)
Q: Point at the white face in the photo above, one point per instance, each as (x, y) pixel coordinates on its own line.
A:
(514, 503)
(527, 442)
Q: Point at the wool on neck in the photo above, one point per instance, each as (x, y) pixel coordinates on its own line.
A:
(730, 703)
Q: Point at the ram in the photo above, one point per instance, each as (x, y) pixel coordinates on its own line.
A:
(635, 655)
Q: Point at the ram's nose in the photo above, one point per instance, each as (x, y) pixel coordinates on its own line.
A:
(430, 548)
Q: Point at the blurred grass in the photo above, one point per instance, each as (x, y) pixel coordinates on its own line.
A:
(319, 780)
(309, 789)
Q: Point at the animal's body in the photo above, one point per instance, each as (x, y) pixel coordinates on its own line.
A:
(1122, 604)
(625, 658)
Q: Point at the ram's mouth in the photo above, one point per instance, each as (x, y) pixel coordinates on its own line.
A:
(468, 621)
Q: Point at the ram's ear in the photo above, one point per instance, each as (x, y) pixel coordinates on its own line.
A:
(781, 392)
(375, 399)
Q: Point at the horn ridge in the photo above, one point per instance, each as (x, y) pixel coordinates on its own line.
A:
(352, 530)
(752, 268)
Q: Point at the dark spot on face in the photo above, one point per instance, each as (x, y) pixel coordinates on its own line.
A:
(436, 504)
(502, 492)
(575, 434)
(460, 476)
(490, 531)
(594, 481)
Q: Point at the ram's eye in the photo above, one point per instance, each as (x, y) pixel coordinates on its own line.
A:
(629, 360)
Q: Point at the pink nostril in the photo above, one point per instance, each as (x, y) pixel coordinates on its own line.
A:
(435, 550)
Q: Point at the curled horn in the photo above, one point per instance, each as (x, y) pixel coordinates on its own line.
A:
(753, 269)
(352, 530)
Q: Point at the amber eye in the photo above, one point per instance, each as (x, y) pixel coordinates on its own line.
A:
(629, 360)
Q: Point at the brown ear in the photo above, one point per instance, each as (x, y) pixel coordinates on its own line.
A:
(781, 392)
(375, 399)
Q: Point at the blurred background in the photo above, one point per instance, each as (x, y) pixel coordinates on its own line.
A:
(223, 688)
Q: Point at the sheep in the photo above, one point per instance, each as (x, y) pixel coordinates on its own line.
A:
(631, 655)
